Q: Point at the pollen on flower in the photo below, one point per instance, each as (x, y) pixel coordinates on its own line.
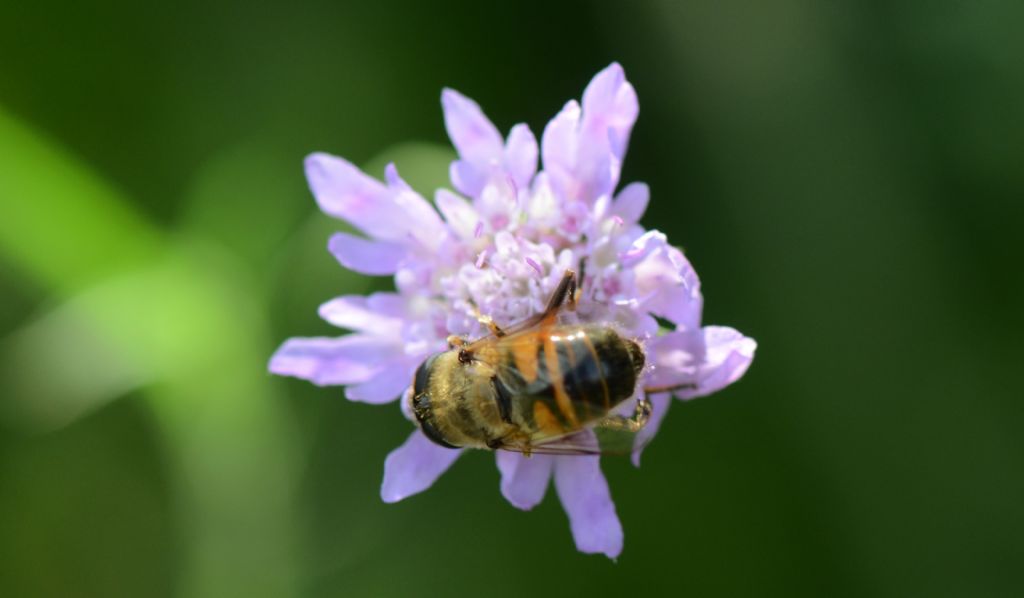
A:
(520, 214)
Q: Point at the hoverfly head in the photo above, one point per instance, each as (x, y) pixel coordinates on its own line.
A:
(422, 401)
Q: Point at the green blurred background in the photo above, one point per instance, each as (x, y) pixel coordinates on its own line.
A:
(847, 178)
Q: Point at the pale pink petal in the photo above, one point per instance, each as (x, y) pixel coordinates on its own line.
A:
(583, 147)
(329, 361)
(414, 467)
(543, 208)
(666, 283)
(558, 146)
(631, 203)
(376, 258)
(472, 133)
(590, 174)
(524, 480)
(341, 189)
(728, 354)
(643, 246)
(596, 173)
(345, 192)
(419, 219)
(708, 359)
(497, 204)
(659, 408)
(458, 213)
(675, 358)
(395, 376)
(394, 180)
(380, 313)
(392, 212)
(584, 493)
(610, 108)
(466, 178)
(521, 155)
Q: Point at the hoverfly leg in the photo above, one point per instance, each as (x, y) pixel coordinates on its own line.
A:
(643, 411)
(488, 322)
(455, 341)
(491, 325)
(633, 423)
(653, 390)
(566, 289)
(582, 278)
(572, 294)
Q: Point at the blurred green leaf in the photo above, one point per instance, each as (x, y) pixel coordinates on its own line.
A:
(249, 198)
(61, 223)
(179, 318)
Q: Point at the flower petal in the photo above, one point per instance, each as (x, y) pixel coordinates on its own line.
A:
(385, 387)
(583, 147)
(376, 258)
(497, 204)
(347, 193)
(631, 202)
(709, 359)
(472, 133)
(458, 213)
(414, 467)
(727, 356)
(610, 108)
(558, 145)
(584, 494)
(419, 219)
(392, 212)
(466, 178)
(666, 283)
(380, 313)
(675, 358)
(521, 155)
(524, 480)
(323, 361)
(341, 189)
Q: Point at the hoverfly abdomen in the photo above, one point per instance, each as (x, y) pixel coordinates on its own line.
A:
(599, 370)
(568, 376)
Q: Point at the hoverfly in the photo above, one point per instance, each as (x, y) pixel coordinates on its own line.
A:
(539, 386)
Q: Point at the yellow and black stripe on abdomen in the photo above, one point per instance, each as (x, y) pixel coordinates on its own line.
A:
(530, 396)
(598, 372)
(594, 372)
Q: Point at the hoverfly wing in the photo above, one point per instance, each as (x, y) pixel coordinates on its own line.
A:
(603, 438)
(580, 443)
(617, 440)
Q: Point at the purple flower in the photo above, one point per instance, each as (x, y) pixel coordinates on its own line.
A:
(502, 243)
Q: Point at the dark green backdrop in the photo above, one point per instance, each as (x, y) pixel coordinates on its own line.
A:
(846, 177)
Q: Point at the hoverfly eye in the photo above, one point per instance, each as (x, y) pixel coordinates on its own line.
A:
(419, 383)
(421, 403)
